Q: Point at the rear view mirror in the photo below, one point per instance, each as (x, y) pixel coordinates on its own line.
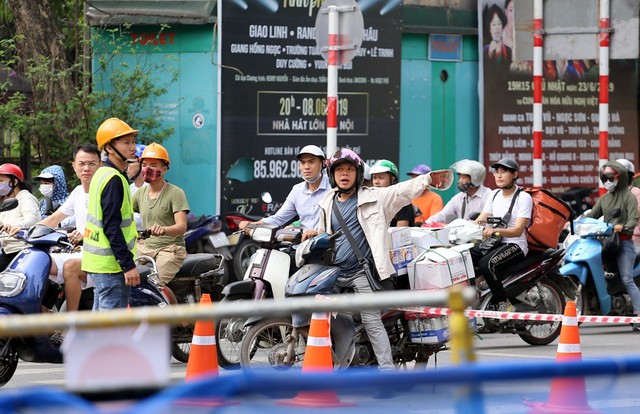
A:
(8, 204)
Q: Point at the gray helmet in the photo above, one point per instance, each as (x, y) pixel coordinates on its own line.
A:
(508, 163)
(472, 168)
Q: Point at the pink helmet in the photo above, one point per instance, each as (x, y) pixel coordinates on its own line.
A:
(345, 155)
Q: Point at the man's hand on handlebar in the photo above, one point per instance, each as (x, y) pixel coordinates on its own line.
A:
(307, 234)
(11, 230)
(75, 237)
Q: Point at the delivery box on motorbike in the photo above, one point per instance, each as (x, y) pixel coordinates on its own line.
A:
(548, 218)
(401, 257)
(426, 238)
(440, 268)
(400, 237)
(425, 329)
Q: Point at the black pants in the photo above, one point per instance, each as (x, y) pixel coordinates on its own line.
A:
(495, 264)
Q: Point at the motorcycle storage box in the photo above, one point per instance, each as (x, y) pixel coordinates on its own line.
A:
(426, 238)
(440, 268)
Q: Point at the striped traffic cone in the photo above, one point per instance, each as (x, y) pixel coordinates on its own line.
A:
(203, 360)
(203, 356)
(318, 358)
(567, 395)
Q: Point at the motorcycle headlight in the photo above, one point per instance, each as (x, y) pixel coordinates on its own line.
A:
(11, 283)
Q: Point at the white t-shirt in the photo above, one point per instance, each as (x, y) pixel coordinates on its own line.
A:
(76, 206)
(497, 206)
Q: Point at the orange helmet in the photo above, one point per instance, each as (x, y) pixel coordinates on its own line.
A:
(13, 170)
(111, 129)
(156, 151)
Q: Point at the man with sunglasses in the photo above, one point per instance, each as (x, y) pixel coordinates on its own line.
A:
(614, 177)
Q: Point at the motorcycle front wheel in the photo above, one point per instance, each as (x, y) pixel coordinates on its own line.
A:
(547, 298)
(182, 337)
(265, 346)
(8, 362)
(229, 335)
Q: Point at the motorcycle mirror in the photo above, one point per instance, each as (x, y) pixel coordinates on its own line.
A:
(8, 204)
(616, 212)
(266, 197)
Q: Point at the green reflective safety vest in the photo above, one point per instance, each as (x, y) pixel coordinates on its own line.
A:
(97, 256)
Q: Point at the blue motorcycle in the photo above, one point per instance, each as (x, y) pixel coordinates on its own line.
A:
(599, 288)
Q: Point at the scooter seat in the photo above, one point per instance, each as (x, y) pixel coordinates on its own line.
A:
(535, 257)
(196, 264)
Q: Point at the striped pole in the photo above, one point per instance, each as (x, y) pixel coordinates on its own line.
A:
(537, 93)
(332, 81)
(603, 120)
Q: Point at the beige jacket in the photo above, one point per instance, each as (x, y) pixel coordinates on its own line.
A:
(376, 207)
(25, 215)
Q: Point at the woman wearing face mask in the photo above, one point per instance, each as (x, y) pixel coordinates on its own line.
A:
(614, 177)
(164, 210)
(12, 185)
(53, 186)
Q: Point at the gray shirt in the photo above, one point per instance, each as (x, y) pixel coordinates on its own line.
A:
(345, 257)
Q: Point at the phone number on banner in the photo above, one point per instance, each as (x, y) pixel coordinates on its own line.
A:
(276, 169)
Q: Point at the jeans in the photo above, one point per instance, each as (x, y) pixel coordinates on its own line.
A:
(625, 260)
(110, 292)
(372, 320)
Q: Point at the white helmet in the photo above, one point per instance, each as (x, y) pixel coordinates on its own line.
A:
(312, 150)
(367, 171)
(628, 165)
(472, 168)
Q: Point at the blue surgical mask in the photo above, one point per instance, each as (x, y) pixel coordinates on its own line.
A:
(5, 189)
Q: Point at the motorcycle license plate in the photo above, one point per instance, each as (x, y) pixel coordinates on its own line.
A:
(219, 240)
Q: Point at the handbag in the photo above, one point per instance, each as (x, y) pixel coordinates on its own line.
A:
(490, 243)
(368, 266)
(610, 248)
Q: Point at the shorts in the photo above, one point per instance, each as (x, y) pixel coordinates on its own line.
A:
(60, 259)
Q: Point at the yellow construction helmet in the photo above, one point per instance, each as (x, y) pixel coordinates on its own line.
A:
(156, 151)
(111, 129)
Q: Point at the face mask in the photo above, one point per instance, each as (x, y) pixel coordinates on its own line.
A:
(611, 185)
(314, 179)
(464, 187)
(5, 189)
(150, 175)
(46, 190)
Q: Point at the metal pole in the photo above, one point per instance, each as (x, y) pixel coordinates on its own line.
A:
(25, 325)
(537, 92)
(332, 80)
(603, 121)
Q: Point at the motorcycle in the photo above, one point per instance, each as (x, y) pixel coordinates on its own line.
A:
(25, 288)
(204, 235)
(535, 285)
(268, 271)
(599, 288)
(280, 343)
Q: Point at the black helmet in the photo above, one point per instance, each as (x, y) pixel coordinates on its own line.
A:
(508, 163)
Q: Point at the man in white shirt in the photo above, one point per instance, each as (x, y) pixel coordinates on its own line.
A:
(65, 267)
(304, 199)
(472, 196)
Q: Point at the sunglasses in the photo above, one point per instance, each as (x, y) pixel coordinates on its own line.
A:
(608, 177)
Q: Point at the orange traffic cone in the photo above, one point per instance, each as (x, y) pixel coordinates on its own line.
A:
(203, 360)
(567, 395)
(203, 356)
(318, 358)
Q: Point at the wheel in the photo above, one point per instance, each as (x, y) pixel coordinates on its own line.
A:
(8, 362)
(547, 297)
(229, 334)
(265, 344)
(181, 342)
(242, 256)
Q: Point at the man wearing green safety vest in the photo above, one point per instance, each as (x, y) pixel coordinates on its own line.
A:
(110, 232)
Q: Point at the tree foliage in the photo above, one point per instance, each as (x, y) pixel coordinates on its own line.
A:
(69, 98)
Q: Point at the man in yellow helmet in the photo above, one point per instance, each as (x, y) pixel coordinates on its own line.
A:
(110, 231)
(164, 208)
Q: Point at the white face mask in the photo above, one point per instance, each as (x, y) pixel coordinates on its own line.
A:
(46, 190)
(611, 185)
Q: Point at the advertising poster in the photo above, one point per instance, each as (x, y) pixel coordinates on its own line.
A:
(273, 95)
(570, 107)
